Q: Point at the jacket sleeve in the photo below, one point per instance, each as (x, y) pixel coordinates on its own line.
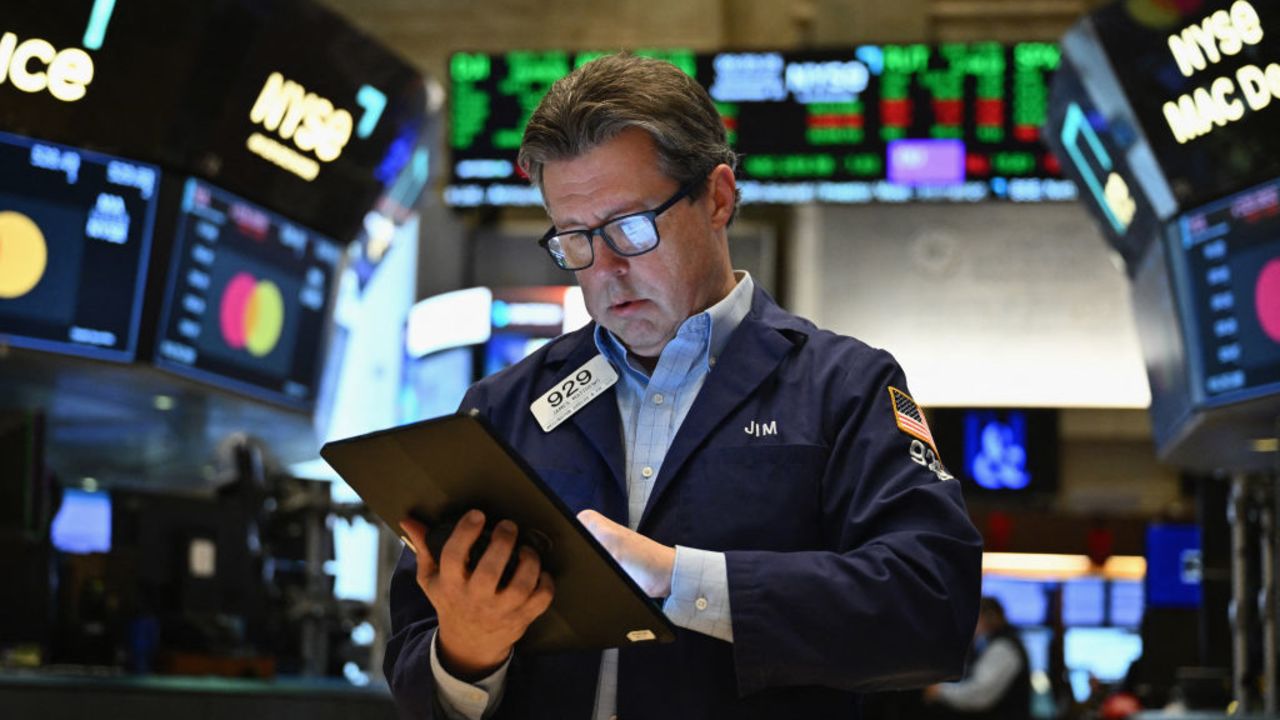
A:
(891, 601)
(407, 662)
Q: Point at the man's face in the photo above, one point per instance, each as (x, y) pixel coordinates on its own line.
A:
(642, 299)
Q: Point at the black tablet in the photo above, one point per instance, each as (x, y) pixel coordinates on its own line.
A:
(438, 469)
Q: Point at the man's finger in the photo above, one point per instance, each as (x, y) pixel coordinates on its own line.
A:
(494, 561)
(457, 549)
(525, 579)
(417, 538)
(588, 518)
(598, 525)
(541, 598)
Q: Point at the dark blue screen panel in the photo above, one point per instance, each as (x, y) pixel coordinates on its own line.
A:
(247, 298)
(75, 237)
(1173, 566)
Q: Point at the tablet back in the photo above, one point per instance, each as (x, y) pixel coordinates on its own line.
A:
(438, 469)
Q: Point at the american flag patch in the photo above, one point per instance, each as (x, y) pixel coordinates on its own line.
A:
(909, 417)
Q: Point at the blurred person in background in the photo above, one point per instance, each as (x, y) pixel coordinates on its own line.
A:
(998, 683)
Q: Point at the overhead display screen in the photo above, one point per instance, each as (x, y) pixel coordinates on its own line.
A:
(247, 298)
(999, 452)
(1228, 260)
(75, 236)
(1203, 79)
(283, 102)
(874, 123)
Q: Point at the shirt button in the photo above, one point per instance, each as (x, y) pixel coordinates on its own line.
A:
(647, 471)
(700, 603)
(657, 398)
(712, 362)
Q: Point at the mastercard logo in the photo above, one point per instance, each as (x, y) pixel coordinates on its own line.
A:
(23, 255)
(251, 314)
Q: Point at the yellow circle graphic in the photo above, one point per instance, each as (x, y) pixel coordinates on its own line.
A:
(23, 254)
(263, 318)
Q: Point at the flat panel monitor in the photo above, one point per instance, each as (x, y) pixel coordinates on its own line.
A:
(1024, 601)
(1173, 566)
(1126, 603)
(999, 452)
(284, 101)
(1102, 653)
(1084, 601)
(83, 522)
(1226, 261)
(75, 237)
(1202, 78)
(355, 561)
(247, 299)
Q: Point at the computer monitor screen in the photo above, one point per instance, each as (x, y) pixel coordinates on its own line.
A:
(1024, 601)
(1227, 260)
(1105, 653)
(355, 560)
(75, 237)
(999, 452)
(1173, 566)
(1176, 60)
(1127, 602)
(83, 522)
(1084, 601)
(247, 298)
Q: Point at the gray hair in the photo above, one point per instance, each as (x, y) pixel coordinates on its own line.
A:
(597, 101)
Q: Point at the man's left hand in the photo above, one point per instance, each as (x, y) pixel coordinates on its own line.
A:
(648, 562)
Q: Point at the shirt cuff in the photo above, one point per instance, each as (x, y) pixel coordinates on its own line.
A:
(462, 700)
(699, 599)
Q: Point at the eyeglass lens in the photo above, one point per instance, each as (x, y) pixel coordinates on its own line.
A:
(627, 236)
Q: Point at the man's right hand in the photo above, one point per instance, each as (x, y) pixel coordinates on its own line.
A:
(478, 622)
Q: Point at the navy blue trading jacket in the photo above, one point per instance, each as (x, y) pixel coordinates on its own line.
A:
(852, 566)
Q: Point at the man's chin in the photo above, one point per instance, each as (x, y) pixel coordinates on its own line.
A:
(641, 341)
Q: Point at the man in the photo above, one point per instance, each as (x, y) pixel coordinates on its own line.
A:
(771, 481)
(998, 685)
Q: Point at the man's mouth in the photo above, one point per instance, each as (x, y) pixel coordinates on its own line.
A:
(625, 305)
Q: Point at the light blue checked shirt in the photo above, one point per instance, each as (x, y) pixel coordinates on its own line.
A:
(652, 409)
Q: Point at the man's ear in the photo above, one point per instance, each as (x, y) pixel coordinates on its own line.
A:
(723, 192)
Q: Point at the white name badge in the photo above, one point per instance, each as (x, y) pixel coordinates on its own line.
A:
(573, 393)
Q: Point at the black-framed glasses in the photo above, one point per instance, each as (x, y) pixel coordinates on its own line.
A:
(627, 235)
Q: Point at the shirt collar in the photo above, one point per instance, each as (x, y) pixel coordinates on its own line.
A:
(711, 327)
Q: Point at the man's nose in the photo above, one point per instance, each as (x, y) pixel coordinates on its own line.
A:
(608, 260)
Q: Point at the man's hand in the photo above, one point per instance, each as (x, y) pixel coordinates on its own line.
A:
(649, 563)
(478, 622)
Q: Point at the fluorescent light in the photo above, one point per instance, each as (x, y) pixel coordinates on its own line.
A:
(1062, 567)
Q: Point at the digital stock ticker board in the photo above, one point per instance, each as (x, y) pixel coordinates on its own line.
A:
(875, 123)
